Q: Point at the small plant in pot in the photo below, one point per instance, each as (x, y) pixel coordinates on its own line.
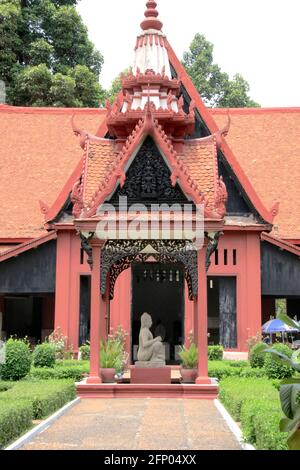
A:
(189, 363)
(111, 354)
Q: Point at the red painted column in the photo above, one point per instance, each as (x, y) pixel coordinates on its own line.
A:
(62, 288)
(96, 312)
(202, 321)
(253, 286)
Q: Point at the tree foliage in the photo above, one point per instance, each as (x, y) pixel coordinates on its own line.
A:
(214, 86)
(46, 57)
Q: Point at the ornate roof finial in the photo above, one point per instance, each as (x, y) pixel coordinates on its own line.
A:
(151, 14)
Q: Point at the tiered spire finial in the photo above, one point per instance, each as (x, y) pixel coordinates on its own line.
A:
(151, 20)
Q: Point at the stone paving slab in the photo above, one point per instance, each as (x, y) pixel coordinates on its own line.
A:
(130, 424)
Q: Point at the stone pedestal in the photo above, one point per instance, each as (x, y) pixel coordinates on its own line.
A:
(149, 375)
(150, 364)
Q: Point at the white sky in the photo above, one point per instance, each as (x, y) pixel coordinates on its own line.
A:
(258, 38)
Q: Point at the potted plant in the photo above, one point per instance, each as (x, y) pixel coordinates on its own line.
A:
(189, 362)
(111, 355)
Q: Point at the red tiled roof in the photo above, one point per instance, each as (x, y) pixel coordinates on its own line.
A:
(266, 142)
(38, 154)
(17, 250)
(41, 153)
(100, 160)
(195, 168)
(200, 160)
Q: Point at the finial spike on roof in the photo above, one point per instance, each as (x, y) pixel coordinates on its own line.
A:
(151, 20)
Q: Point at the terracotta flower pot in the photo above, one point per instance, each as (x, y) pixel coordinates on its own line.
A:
(188, 375)
(108, 376)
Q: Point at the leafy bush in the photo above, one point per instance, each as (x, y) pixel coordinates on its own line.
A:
(17, 360)
(223, 369)
(111, 354)
(44, 355)
(85, 352)
(256, 405)
(260, 422)
(274, 368)
(26, 401)
(189, 356)
(76, 373)
(255, 357)
(15, 419)
(215, 353)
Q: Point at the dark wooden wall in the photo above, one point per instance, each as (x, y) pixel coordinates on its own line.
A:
(85, 302)
(228, 320)
(31, 272)
(280, 272)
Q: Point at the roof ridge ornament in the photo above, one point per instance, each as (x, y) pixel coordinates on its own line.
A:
(151, 20)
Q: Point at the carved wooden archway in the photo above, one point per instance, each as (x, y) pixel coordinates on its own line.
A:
(118, 255)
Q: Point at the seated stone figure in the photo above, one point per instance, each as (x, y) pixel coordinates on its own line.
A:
(151, 352)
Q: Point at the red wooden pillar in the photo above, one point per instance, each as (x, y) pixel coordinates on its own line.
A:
(202, 322)
(97, 311)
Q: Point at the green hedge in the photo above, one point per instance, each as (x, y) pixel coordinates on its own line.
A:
(256, 405)
(15, 419)
(223, 369)
(26, 401)
(76, 373)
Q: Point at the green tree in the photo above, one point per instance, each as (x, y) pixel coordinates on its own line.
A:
(214, 86)
(116, 86)
(46, 57)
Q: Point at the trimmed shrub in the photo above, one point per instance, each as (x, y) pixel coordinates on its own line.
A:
(260, 422)
(234, 391)
(274, 368)
(15, 419)
(76, 373)
(44, 355)
(26, 401)
(256, 359)
(85, 352)
(17, 360)
(215, 353)
(256, 405)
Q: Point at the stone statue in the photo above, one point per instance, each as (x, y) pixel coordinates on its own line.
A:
(151, 352)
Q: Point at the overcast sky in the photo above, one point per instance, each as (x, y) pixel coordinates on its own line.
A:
(258, 38)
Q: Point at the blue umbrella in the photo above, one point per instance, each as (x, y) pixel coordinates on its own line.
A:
(277, 326)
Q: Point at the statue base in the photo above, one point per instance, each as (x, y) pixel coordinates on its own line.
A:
(150, 375)
(150, 364)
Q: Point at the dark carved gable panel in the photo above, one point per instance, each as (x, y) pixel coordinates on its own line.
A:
(148, 179)
(236, 204)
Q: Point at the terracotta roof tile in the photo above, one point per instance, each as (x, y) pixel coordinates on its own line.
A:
(266, 143)
(38, 154)
(101, 157)
(200, 160)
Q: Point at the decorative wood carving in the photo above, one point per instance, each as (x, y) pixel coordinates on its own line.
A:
(148, 179)
(212, 247)
(116, 256)
(85, 244)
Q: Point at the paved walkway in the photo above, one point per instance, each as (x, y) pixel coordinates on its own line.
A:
(131, 424)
